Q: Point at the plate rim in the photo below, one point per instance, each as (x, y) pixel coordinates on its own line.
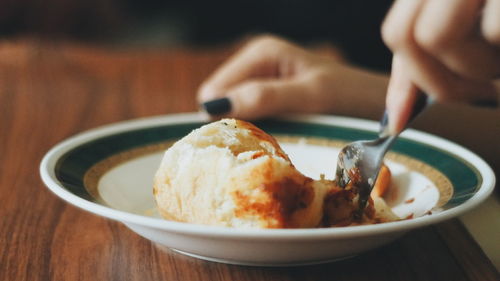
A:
(48, 164)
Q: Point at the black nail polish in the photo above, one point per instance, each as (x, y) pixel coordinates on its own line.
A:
(384, 120)
(421, 102)
(217, 106)
(384, 130)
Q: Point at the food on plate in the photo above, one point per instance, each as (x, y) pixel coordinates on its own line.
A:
(231, 173)
(382, 183)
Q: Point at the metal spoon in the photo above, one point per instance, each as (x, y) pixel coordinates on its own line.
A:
(359, 162)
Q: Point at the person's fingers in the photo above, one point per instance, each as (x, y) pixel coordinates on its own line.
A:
(266, 97)
(444, 23)
(448, 31)
(397, 28)
(490, 25)
(423, 70)
(401, 95)
(256, 99)
(264, 57)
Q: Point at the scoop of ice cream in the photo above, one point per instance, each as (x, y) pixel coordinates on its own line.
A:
(231, 173)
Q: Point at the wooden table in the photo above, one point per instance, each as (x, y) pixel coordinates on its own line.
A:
(50, 91)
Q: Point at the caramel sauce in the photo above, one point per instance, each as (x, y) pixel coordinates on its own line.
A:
(258, 154)
(410, 216)
(286, 196)
(338, 209)
(293, 193)
(263, 136)
(411, 200)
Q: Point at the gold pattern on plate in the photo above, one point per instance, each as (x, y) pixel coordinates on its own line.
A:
(94, 174)
(442, 183)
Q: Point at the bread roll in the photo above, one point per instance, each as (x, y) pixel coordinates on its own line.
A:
(231, 173)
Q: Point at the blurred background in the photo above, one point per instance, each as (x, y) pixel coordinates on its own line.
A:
(351, 25)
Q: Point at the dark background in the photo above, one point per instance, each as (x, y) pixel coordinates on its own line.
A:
(353, 25)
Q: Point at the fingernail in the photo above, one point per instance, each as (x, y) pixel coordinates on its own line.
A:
(217, 106)
(384, 120)
(383, 131)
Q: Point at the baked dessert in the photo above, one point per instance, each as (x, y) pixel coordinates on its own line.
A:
(231, 173)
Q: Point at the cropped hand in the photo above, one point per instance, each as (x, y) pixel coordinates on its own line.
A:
(449, 49)
(270, 76)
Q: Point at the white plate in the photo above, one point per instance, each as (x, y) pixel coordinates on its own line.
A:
(108, 171)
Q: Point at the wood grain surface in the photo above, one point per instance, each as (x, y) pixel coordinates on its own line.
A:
(50, 91)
